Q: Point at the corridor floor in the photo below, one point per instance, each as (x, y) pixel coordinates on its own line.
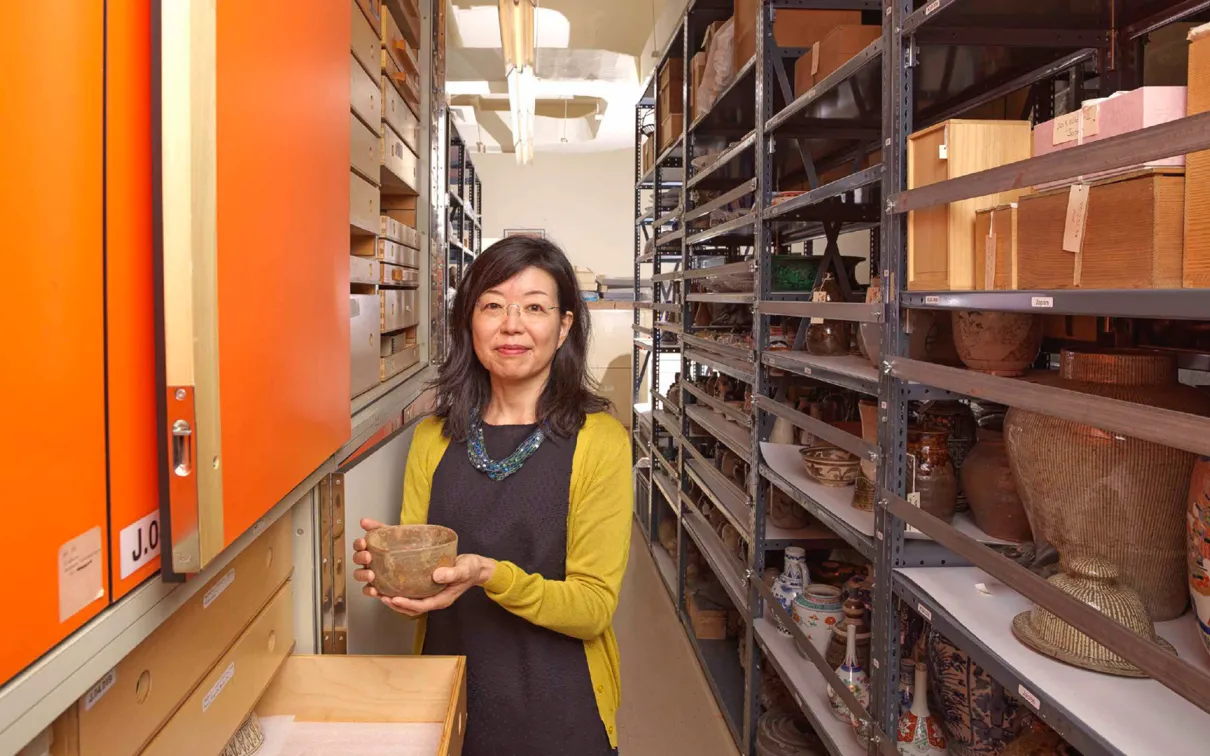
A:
(667, 707)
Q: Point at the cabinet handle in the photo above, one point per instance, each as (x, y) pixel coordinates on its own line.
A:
(182, 448)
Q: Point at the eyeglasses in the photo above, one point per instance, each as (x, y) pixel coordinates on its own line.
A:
(495, 310)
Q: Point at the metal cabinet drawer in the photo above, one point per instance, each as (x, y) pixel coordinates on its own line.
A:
(363, 206)
(364, 95)
(363, 270)
(399, 164)
(399, 115)
(363, 149)
(365, 42)
(364, 331)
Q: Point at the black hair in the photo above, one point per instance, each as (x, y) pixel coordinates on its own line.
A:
(463, 384)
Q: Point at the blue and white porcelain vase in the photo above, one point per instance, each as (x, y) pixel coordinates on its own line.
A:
(854, 676)
(789, 584)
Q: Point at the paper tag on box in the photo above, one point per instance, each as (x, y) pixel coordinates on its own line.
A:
(818, 296)
(80, 574)
(1089, 125)
(1067, 128)
(815, 59)
(989, 254)
(1077, 217)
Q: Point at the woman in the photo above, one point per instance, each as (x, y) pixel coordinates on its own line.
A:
(522, 461)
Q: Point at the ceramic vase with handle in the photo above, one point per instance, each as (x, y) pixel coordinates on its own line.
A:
(933, 474)
(957, 420)
(1198, 519)
(856, 680)
(816, 613)
(919, 732)
(789, 584)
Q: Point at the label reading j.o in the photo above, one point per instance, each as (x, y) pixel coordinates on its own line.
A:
(218, 686)
(139, 544)
(102, 687)
(80, 574)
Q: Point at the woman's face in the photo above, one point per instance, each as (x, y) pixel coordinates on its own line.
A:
(517, 326)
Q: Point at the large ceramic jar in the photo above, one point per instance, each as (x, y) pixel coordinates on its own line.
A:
(1199, 546)
(934, 477)
(991, 489)
(1090, 492)
(957, 420)
(978, 715)
(829, 338)
(816, 612)
(930, 334)
(998, 343)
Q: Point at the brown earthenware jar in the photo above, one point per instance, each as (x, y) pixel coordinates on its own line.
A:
(957, 420)
(934, 477)
(991, 489)
(829, 338)
(997, 343)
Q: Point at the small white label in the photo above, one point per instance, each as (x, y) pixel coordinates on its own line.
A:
(80, 574)
(932, 300)
(218, 687)
(806, 371)
(1028, 695)
(1066, 129)
(100, 689)
(875, 663)
(1089, 121)
(882, 405)
(888, 10)
(140, 543)
(928, 9)
(811, 93)
(879, 534)
(1077, 217)
(1042, 302)
(943, 152)
(217, 589)
(815, 59)
(924, 612)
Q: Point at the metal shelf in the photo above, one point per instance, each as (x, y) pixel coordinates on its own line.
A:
(735, 436)
(735, 106)
(732, 414)
(729, 499)
(1096, 713)
(728, 569)
(722, 297)
(739, 370)
(1165, 304)
(725, 160)
(669, 489)
(726, 351)
(804, 206)
(714, 271)
(739, 229)
(848, 371)
(858, 312)
(666, 568)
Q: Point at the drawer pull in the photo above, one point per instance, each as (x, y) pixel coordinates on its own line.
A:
(182, 448)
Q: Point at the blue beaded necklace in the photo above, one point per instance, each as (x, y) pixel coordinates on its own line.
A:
(477, 450)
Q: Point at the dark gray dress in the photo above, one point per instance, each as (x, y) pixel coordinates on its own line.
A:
(528, 688)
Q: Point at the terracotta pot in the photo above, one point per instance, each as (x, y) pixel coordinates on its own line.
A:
(978, 715)
(1091, 492)
(991, 489)
(1199, 546)
(998, 343)
(930, 339)
(934, 478)
(829, 338)
(956, 419)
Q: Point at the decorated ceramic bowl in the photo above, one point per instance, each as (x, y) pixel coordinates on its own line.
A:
(830, 465)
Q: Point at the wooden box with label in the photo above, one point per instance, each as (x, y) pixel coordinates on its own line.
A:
(996, 238)
(398, 362)
(941, 245)
(707, 624)
(364, 96)
(1196, 272)
(364, 145)
(841, 45)
(791, 28)
(1130, 237)
(399, 116)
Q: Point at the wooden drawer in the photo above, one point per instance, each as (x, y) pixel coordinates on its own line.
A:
(365, 324)
(363, 270)
(390, 228)
(215, 710)
(411, 256)
(399, 115)
(941, 244)
(363, 150)
(396, 343)
(366, 44)
(364, 96)
(390, 302)
(399, 164)
(372, 10)
(392, 37)
(390, 252)
(411, 310)
(398, 362)
(126, 708)
(423, 692)
(397, 275)
(363, 206)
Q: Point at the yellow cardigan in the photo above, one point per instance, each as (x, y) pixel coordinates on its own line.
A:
(598, 545)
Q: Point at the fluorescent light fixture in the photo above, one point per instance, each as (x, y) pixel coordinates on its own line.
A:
(517, 42)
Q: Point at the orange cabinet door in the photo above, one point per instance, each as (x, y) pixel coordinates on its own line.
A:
(53, 541)
(253, 277)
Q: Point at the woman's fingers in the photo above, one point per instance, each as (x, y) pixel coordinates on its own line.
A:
(362, 557)
(363, 576)
(367, 524)
(413, 607)
(359, 544)
(370, 591)
(403, 606)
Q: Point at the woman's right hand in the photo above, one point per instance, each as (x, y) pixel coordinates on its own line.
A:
(361, 557)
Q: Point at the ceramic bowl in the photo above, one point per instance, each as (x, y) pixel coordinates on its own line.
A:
(403, 558)
(830, 465)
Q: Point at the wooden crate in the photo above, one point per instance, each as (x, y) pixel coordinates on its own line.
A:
(1196, 266)
(791, 28)
(840, 46)
(1133, 235)
(708, 624)
(996, 238)
(941, 245)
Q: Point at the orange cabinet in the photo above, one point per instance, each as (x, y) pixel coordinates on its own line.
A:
(254, 175)
(54, 543)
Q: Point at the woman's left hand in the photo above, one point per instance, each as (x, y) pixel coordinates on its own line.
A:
(469, 570)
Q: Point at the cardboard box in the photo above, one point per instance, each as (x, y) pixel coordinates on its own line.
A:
(1196, 266)
(697, 69)
(840, 46)
(791, 28)
(1131, 235)
(648, 154)
(671, 129)
(996, 236)
(672, 73)
(941, 244)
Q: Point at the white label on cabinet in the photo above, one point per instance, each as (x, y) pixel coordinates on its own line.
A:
(102, 687)
(1042, 302)
(943, 152)
(1028, 695)
(217, 589)
(932, 300)
(1066, 128)
(931, 7)
(140, 543)
(218, 686)
(80, 573)
(924, 612)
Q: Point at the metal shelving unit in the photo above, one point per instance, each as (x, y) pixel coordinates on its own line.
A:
(873, 103)
(465, 194)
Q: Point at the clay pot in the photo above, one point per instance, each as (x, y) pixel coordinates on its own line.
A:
(956, 419)
(1091, 492)
(991, 489)
(829, 338)
(403, 558)
(979, 717)
(784, 512)
(1198, 520)
(934, 477)
(930, 334)
(997, 343)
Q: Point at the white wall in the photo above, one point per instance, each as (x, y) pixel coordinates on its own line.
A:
(584, 202)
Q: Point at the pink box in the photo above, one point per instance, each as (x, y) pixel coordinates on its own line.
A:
(1108, 117)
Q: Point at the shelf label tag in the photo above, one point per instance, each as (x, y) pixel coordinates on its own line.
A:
(218, 686)
(1042, 302)
(217, 589)
(875, 663)
(1077, 215)
(102, 687)
(818, 297)
(1066, 128)
(932, 300)
(1028, 695)
(140, 543)
(931, 7)
(924, 612)
(1089, 125)
(80, 574)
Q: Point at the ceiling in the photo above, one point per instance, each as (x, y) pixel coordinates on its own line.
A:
(587, 68)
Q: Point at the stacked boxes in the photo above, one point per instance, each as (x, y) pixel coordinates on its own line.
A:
(672, 103)
(364, 196)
